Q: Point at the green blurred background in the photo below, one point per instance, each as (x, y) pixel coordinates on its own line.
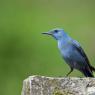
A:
(24, 51)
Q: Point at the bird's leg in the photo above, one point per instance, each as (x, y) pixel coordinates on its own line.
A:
(69, 72)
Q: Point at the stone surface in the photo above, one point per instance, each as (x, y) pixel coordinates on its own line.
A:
(41, 85)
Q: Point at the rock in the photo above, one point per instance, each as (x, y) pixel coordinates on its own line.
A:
(41, 85)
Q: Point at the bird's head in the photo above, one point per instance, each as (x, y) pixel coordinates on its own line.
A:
(56, 33)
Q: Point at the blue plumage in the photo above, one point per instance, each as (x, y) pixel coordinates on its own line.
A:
(72, 52)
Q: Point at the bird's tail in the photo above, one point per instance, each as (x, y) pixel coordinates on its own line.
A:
(92, 68)
(87, 73)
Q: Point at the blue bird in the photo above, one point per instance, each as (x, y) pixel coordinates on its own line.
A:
(72, 52)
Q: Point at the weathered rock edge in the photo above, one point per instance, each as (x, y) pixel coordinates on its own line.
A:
(41, 85)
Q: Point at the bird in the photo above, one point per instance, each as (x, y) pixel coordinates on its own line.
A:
(72, 52)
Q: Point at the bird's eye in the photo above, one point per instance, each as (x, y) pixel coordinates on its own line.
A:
(55, 31)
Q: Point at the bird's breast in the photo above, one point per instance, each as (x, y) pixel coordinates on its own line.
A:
(65, 49)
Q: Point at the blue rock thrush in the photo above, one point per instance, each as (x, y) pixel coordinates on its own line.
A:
(72, 52)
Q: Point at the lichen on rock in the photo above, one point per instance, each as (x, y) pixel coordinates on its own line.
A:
(41, 85)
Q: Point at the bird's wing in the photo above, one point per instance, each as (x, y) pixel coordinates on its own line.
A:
(81, 51)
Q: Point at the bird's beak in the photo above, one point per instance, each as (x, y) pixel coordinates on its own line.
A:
(47, 33)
